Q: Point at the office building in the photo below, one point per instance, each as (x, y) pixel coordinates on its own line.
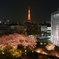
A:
(55, 28)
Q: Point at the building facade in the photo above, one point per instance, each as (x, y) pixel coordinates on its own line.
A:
(55, 28)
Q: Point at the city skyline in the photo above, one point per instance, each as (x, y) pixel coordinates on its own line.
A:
(17, 10)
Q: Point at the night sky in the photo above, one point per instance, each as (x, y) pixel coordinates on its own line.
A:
(16, 10)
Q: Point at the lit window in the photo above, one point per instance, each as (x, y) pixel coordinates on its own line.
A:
(41, 43)
(44, 43)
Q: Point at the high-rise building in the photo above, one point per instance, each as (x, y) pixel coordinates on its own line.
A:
(55, 28)
(29, 19)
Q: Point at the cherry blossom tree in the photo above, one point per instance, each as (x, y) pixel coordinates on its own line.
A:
(50, 47)
(16, 39)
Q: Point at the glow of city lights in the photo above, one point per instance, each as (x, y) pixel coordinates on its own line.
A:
(41, 50)
(51, 50)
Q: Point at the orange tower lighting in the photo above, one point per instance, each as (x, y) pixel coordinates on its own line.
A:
(29, 15)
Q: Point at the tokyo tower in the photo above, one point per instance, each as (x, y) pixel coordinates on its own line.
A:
(29, 19)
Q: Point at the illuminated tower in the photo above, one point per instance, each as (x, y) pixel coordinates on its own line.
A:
(55, 28)
(29, 20)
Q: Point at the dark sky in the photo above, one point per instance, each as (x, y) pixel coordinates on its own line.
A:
(16, 10)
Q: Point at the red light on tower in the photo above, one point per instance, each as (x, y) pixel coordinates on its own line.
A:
(29, 15)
